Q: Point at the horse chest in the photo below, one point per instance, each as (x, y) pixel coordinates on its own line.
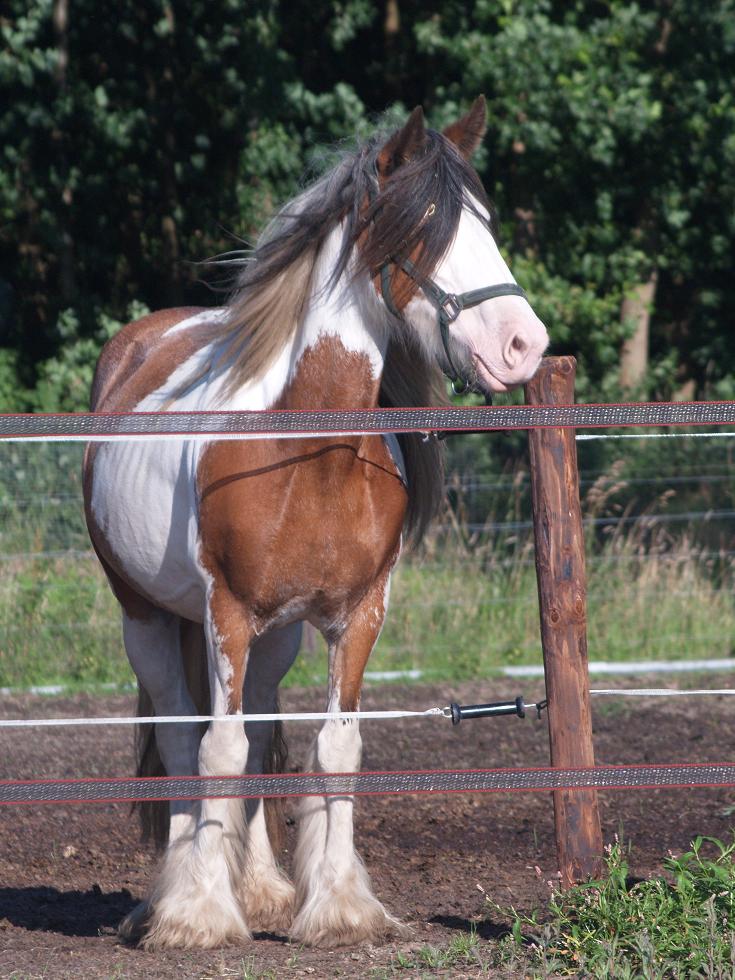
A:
(299, 531)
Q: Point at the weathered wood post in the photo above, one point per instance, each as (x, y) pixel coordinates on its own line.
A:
(560, 571)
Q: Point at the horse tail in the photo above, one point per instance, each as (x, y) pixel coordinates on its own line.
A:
(276, 759)
(155, 815)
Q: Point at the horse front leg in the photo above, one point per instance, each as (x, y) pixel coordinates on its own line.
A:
(266, 893)
(196, 902)
(334, 899)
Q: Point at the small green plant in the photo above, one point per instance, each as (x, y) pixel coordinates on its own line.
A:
(118, 973)
(250, 971)
(465, 950)
(680, 924)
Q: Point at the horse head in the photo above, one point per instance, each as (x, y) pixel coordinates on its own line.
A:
(435, 262)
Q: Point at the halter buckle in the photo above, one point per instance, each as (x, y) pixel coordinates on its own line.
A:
(451, 307)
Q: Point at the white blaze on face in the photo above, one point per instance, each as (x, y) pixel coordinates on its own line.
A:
(500, 340)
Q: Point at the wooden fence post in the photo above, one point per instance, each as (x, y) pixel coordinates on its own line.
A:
(562, 589)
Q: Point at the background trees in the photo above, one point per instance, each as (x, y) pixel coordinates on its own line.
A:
(134, 145)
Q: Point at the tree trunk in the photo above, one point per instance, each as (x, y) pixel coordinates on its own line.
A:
(60, 17)
(636, 308)
(392, 23)
(169, 229)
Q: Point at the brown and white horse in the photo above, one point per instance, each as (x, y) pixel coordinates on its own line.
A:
(218, 551)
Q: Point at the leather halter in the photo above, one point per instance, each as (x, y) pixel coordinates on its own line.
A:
(447, 305)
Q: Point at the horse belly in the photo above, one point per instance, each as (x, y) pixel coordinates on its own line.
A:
(143, 511)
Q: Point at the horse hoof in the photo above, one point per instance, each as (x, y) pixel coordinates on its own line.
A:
(268, 907)
(201, 931)
(338, 921)
(153, 929)
(133, 927)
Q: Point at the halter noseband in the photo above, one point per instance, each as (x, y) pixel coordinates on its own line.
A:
(447, 305)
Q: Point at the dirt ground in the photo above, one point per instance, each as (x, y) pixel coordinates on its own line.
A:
(68, 874)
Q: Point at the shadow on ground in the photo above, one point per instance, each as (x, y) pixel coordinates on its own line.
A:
(71, 913)
(486, 929)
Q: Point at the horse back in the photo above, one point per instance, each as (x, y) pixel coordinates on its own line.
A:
(139, 358)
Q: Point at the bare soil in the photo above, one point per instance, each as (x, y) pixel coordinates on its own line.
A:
(68, 874)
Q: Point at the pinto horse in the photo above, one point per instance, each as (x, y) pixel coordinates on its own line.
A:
(359, 293)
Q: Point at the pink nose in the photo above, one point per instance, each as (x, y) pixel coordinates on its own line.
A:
(524, 340)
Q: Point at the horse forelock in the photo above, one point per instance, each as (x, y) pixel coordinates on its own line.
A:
(276, 278)
(418, 209)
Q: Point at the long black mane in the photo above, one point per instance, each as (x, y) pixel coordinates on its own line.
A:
(380, 220)
(392, 224)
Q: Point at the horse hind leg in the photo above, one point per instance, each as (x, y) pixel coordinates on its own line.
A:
(266, 893)
(154, 649)
(334, 898)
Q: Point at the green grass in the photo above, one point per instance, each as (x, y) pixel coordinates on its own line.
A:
(466, 952)
(449, 617)
(680, 924)
(59, 623)
(459, 619)
(461, 608)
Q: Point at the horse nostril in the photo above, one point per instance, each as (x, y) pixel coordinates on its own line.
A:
(515, 351)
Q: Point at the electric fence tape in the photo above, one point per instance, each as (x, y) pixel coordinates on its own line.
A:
(132, 789)
(382, 715)
(103, 426)
(195, 719)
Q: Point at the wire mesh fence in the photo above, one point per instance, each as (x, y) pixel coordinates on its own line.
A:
(660, 558)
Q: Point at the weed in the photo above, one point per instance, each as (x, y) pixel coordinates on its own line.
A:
(679, 924)
(118, 973)
(249, 971)
(246, 969)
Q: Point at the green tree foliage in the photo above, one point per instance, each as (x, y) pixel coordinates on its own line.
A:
(612, 153)
(136, 143)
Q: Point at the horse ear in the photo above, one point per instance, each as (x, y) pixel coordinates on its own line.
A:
(403, 144)
(468, 132)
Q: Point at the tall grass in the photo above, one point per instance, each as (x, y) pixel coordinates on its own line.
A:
(464, 605)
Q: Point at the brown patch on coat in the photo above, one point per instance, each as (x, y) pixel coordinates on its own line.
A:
(302, 528)
(356, 644)
(139, 359)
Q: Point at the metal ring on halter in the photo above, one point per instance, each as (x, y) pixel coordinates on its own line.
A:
(451, 307)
